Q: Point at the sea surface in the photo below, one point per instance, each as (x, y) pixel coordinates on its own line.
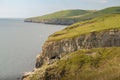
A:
(20, 42)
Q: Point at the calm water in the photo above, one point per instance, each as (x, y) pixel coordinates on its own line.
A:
(19, 44)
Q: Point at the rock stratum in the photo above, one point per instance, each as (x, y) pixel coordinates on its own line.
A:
(47, 63)
(57, 49)
(86, 50)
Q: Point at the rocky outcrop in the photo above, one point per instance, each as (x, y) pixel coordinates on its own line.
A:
(54, 50)
(57, 49)
(52, 21)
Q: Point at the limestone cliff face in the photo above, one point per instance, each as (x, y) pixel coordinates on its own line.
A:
(57, 49)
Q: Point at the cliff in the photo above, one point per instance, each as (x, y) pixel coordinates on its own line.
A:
(87, 48)
(90, 64)
(56, 49)
(68, 17)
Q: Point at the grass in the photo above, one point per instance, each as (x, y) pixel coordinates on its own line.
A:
(103, 23)
(62, 14)
(85, 64)
(75, 15)
(65, 14)
(92, 64)
(99, 13)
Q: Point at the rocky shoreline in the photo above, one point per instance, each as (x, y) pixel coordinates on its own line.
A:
(52, 21)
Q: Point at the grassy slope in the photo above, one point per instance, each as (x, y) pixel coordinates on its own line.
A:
(102, 12)
(77, 15)
(95, 25)
(93, 64)
(62, 14)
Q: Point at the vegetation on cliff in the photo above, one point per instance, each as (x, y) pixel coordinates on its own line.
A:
(87, 50)
(64, 17)
(64, 14)
(67, 17)
(106, 22)
(92, 64)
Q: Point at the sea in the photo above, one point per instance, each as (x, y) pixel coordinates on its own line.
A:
(20, 43)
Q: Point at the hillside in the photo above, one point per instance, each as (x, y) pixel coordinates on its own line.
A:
(64, 14)
(67, 17)
(60, 17)
(93, 64)
(99, 13)
(87, 50)
(81, 28)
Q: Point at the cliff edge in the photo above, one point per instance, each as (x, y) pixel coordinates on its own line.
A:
(87, 50)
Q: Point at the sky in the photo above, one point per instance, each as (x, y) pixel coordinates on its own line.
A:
(30, 8)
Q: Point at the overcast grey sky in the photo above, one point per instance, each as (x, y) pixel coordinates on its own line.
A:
(29, 8)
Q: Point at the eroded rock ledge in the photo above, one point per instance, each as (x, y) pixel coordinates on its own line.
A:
(57, 49)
